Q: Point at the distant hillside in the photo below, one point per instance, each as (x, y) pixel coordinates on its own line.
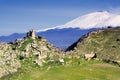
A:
(63, 38)
(12, 37)
(105, 44)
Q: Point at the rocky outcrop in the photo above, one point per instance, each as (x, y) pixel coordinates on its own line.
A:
(35, 48)
(8, 61)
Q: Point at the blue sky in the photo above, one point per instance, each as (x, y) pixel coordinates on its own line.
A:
(23, 15)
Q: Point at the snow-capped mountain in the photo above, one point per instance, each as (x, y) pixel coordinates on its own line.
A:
(64, 35)
(94, 20)
(100, 19)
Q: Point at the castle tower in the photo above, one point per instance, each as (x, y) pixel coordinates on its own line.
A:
(31, 34)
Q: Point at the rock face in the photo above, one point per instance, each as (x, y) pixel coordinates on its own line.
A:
(104, 43)
(8, 61)
(35, 49)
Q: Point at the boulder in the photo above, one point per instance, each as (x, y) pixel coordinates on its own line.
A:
(90, 56)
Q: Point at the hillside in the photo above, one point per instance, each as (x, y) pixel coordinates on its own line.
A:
(33, 58)
(105, 44)
(30, 50)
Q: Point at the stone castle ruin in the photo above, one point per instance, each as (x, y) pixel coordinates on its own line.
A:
(31, 34)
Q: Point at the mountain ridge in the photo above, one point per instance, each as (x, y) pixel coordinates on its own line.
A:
(67, 36)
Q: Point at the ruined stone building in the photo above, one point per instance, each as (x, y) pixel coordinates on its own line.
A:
(31, 34)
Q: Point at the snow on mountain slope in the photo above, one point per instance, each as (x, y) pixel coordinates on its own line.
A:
(114, 21)
(93, 20)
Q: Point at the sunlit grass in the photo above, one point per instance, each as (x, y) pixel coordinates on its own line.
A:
(86, 70)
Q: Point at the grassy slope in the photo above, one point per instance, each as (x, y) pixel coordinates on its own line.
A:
(86, 70)
(105, 43)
